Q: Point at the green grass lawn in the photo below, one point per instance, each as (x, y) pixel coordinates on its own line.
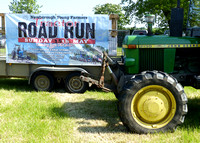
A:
(119, 51)
(29, 116)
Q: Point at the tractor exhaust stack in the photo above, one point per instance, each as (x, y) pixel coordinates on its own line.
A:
(176, 23)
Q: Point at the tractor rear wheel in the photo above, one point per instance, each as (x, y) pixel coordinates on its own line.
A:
(152, 102)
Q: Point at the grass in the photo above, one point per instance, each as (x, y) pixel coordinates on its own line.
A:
(29, 116)
(119, 51)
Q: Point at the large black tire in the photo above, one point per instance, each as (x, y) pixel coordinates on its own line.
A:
(42, 81)
(117, 95)
(152, 102)
(74, 84)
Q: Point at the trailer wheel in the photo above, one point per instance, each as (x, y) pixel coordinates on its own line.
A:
(152, 102)
(42, 81)
(74, 84)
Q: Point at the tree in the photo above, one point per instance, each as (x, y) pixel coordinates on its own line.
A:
(161, 8)
(109, 8)
(194, 14)
(25, 6)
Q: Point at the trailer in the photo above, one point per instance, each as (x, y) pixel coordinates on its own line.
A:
(37, 50)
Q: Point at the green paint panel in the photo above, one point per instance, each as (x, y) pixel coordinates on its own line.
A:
(169, 59)
(148, 40)
(158, 58)
(132, 55)
(131, 40)
(130, 62)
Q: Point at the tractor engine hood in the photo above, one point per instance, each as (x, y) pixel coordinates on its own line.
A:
(161, 41)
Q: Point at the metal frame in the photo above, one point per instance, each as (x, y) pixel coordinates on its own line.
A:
(56, 69)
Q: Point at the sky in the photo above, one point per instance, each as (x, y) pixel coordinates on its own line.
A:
(84, 7)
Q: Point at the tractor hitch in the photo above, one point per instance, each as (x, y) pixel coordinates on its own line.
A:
(107, 61)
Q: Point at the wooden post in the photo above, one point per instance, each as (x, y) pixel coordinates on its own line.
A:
(114, 18)
(2, 15)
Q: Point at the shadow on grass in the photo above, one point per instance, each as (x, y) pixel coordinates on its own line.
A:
(93, 116)
(91, 111)
(16, 84)
(20, 84)
(104, 110)
(192, 119)
(60, 88)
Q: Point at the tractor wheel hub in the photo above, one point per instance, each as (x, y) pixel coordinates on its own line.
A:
(153, 107)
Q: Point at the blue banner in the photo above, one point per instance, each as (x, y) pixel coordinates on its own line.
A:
(56, 39)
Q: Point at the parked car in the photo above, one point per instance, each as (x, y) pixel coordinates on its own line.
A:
(167, 32)
(139, 32)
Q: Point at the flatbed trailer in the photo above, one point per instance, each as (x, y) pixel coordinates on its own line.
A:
(43, 77)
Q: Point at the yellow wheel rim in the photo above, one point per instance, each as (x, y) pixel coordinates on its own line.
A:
(153, 106)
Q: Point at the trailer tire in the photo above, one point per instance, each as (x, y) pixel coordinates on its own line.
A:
(74, 84)
(152, 102)
(42, 81)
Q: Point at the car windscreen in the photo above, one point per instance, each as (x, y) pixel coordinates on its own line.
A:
(139, 33)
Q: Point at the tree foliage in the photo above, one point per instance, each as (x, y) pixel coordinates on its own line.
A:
(24, 6)
(113, 9)
(161, 8)
(194, 14)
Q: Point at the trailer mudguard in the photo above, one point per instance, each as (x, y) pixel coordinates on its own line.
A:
(57, 69)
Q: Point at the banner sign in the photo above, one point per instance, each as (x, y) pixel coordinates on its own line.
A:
(56, 39)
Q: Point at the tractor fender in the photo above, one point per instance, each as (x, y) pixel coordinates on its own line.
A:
(56, 69)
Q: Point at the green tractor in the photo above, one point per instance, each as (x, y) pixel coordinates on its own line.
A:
(148, 81)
